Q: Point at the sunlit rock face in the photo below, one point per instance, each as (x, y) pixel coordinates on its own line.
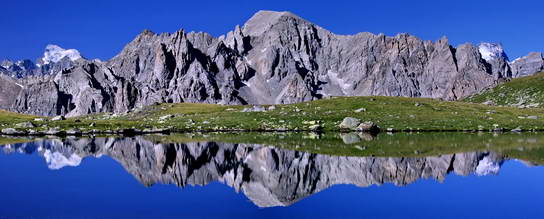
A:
(268, 176)
(274, 58)
(528, 65)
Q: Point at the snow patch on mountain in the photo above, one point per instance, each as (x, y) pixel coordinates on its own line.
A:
(491, 51)
(54, 53)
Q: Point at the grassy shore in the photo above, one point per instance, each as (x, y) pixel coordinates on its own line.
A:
(13, 118)
(393, 113)
(525, 91)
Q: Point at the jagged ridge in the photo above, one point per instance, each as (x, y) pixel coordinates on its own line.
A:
(275, 58)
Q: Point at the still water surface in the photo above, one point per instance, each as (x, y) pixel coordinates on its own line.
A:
(275, 176)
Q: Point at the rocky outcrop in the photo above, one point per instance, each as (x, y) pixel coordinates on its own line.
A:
(268, 176)
(496, 60)
(9, 89)
(276, 57)
(528, 65)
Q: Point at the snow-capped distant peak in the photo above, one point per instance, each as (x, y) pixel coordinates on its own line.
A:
(486, 167)
(54, 53)
(56, 160)
(491, 51)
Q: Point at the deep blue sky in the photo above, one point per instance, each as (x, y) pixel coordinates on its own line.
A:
(100, 28)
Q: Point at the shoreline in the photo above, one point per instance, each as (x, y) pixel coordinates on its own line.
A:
(338, 144)
(136, 132)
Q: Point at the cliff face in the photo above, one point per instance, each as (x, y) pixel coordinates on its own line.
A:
(276, 57)
(268, 176)
(528, 65)
(9, 88)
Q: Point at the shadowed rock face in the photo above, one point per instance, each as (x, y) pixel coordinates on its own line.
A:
(268, 176)
(9, 89)
(276, 57)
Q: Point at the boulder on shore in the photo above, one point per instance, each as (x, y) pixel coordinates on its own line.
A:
(25, 125)
(11, 131)
(349, 123)
(166, 117)
(368, 126)
(315, 128)
(58, 118)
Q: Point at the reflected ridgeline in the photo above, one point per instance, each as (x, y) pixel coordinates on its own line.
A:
(267, 175)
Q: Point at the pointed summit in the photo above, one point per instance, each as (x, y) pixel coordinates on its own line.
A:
(146, 33)
(263, 20)
(268, 13)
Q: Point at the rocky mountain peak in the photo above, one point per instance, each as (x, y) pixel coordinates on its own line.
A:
(443, 40)
(492, 51)
(26, 64)
(264, 20)
(54, 53)
(6, 63)
(145, 34)
(18, 66)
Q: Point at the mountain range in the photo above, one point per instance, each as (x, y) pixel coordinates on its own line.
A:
(274, 58)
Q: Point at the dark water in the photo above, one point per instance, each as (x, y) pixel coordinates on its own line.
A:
(275, 176)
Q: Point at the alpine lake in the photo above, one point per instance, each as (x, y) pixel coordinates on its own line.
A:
(274, 175)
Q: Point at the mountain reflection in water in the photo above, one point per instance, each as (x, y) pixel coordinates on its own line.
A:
(271, 175)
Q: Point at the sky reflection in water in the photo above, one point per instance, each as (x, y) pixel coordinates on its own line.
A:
(109, 181)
